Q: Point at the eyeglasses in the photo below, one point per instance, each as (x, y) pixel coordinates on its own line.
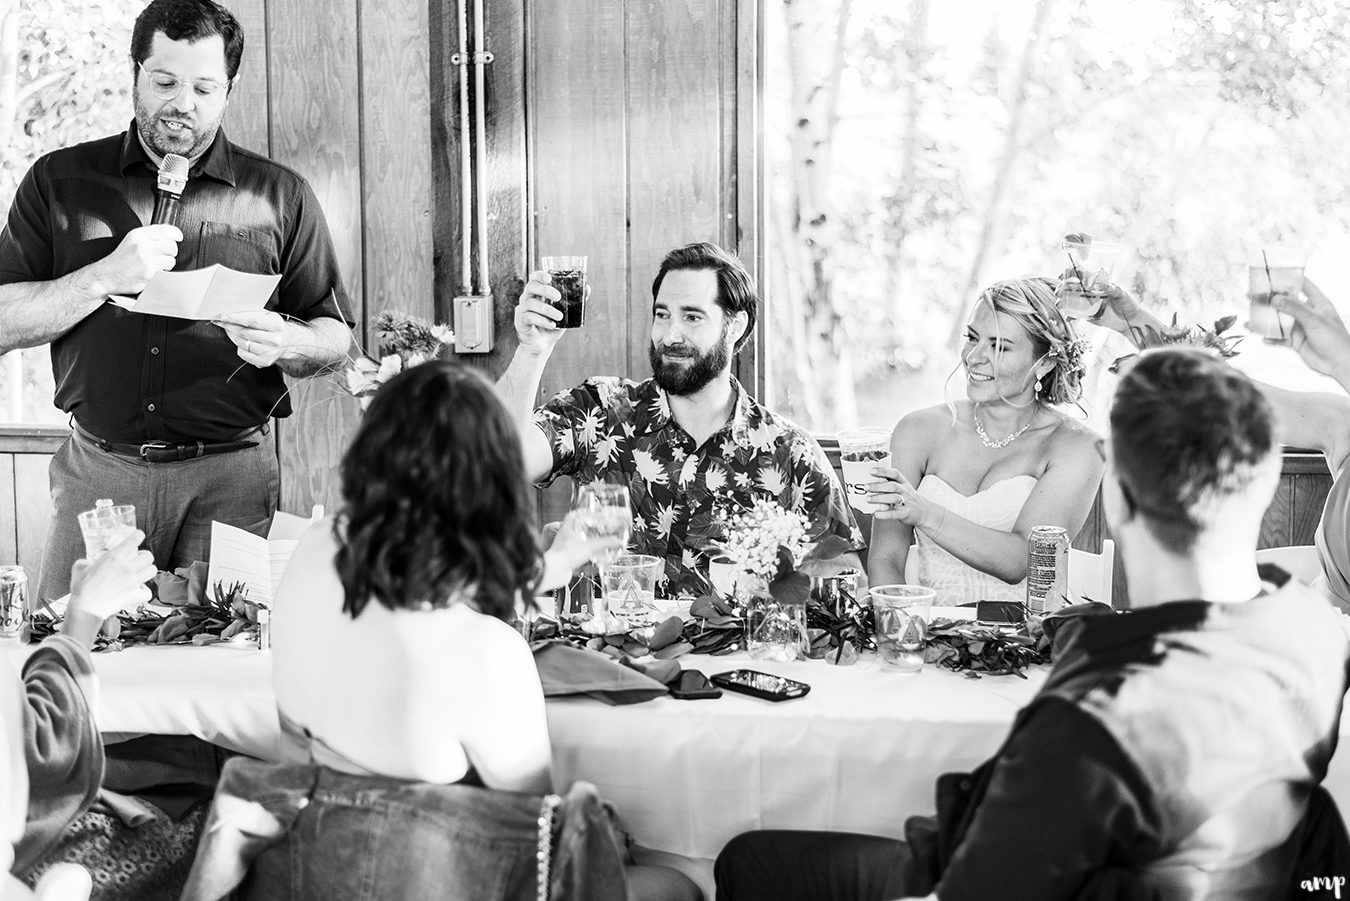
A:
(166, 86)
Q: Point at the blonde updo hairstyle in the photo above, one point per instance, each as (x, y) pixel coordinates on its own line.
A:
(1031, 302)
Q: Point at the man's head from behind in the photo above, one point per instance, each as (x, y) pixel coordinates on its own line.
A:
(704, 305)
(1194, 455)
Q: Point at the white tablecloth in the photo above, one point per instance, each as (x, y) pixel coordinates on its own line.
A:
(860, 752)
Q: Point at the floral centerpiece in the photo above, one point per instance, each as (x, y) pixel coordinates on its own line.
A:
(1149, 336)
(774, 558)
(402, 341)
(191, 618)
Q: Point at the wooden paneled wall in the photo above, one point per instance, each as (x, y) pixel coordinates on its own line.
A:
(25, 500)
(617, 132)
(340, 90)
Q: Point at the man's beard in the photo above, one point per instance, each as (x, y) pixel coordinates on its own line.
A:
(190, 144)
(690, 374)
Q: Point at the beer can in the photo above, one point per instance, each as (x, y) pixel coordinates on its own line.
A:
(1047, 569)
(838, 594)
(14, 614)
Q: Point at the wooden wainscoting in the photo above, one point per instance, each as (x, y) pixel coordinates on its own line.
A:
(1291, 518)
(25, 497)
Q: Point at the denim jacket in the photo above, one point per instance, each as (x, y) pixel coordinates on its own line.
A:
(304, 832)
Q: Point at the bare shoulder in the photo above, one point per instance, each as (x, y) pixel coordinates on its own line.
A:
(1073, 439)
(926, 424)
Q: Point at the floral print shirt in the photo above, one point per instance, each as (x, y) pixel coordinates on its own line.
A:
(621, 431)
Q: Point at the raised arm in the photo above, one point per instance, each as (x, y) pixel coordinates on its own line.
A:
(1319, 335)
(537, 333)
(891, 537)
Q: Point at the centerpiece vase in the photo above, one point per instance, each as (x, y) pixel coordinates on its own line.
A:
(772, 631)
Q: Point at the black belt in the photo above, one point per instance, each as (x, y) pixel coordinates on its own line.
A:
(164, 452)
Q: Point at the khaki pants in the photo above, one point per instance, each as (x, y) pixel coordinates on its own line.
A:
(175, 502)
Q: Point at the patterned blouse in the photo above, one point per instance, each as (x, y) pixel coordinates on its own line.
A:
(621, 431)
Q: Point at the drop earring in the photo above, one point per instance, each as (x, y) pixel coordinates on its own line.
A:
(1038, 389)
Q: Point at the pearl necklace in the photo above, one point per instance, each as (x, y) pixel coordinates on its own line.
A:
(1002, 442)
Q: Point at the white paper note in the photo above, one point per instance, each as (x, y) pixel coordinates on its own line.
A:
(201, 293)
(240, 556)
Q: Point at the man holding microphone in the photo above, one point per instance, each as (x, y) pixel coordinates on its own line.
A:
(169, 414)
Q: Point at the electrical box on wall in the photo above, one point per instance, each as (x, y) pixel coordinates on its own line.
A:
(473, 324)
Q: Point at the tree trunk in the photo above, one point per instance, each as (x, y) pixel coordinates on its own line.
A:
(995, 215)
(822, 362)
(916, 61)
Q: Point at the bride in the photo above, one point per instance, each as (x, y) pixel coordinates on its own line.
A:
(973, 478)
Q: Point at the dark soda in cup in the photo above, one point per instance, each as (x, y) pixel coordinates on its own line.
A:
(568, 275)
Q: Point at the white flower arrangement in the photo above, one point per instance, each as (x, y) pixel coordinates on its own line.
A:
(404, 341)
(755, 537)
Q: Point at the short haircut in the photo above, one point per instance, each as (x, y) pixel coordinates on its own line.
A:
(188, 20)
(1189, 434)
(436, 508)
(735, 286)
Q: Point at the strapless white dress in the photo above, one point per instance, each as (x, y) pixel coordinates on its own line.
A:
(995, 507)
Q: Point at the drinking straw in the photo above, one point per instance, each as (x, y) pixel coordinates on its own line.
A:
(1271, 282)
(1078, 272)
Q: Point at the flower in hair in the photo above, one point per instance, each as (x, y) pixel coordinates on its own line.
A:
(1071, 354)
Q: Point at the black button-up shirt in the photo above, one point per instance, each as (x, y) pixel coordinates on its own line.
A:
(131, 377)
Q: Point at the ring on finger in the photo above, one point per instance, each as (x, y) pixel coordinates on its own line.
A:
(248, 347)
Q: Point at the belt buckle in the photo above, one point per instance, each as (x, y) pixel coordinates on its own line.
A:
(152, 445)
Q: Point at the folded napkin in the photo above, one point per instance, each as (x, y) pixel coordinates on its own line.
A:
(184, 587)
(568, 670)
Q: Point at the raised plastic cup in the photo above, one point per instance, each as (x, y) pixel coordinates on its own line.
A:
(568, 275)
(901, 614)
(860, 451)
(1269, 272)
(1089, 271)
(105, 526)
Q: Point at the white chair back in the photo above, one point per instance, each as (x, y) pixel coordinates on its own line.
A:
(1300, 561)
(1093, 575)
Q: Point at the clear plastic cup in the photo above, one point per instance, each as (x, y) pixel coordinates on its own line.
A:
(1089, 272)
(629, 583)
(860, 451)
(105, 526)
(901, 614)
(1273, 271)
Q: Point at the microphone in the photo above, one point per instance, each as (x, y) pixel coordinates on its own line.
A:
(173, 176)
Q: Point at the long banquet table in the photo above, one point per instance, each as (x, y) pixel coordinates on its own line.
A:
(859, 753)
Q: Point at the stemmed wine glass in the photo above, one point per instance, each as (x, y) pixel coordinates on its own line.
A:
(602, 511)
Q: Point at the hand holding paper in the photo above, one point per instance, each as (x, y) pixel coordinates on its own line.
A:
(261, 336)
(201, 293)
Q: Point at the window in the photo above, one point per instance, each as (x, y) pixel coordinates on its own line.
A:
(918, 151)
(72, 83)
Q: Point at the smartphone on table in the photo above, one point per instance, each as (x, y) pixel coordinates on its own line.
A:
(761, 685)
(694, 686)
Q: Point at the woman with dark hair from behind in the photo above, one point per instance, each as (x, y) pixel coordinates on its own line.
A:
(394, 653)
